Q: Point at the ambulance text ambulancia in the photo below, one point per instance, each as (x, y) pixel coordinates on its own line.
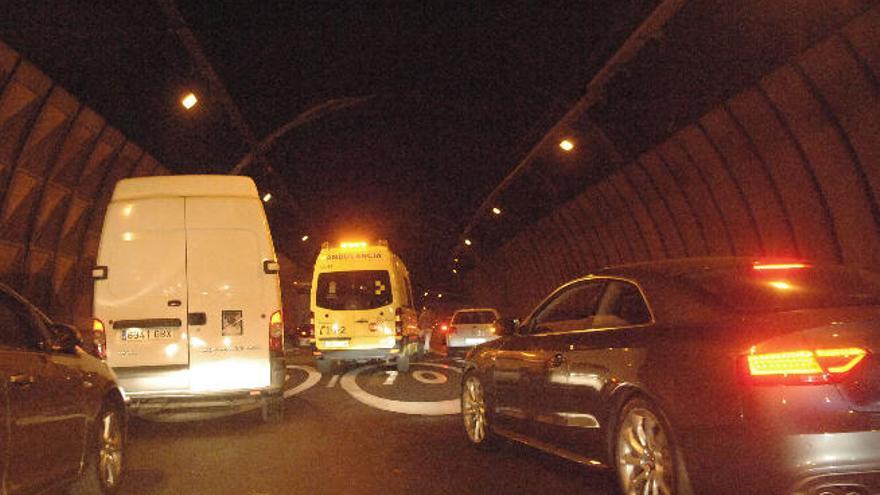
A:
(362, 306)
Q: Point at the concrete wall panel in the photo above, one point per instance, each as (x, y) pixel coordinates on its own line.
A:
(789, 166)
(678, 205)
(58, 164)
(832, 164)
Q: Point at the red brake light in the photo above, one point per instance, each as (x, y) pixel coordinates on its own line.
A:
(276, 333)
(444, 328)
(804, 366)
(99, 338)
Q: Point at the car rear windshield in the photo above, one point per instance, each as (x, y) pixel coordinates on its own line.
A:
(354, 290)
(473, 317)
(784, 289)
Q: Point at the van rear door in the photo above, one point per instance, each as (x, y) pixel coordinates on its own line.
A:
(231, 297)
(142, 300)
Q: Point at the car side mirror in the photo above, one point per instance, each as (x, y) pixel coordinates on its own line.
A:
(507, 326)
(65, 337)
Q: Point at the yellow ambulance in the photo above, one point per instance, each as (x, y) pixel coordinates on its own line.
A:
(362, 307)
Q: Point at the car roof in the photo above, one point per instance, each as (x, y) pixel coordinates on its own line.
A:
(474, 310)
(673, 267)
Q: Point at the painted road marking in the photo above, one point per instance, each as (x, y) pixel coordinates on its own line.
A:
(392, 375)
(332, 382)
(312, 380)
(432, 408)
(429, 377)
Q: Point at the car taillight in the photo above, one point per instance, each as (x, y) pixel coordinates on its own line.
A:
(815, 366)
(492, 329)
(276, 334)
(444, 328)
(398, 321)
(99, 338)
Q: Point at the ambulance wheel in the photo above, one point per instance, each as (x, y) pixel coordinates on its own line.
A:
(324, 366)
(403, 364)
(273, 409)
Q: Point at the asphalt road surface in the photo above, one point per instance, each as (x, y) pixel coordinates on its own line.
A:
(360, 430)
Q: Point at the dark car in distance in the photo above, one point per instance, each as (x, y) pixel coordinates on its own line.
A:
(705, 376)
(62, 416)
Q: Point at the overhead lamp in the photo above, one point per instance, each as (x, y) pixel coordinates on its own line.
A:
(467, 242)
(496, 210)
(454, 270)
(305, 238)
(426, 294)
(189, 100)
(267, 197)
(566, 145)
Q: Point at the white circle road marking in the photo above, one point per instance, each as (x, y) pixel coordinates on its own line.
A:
(429, 377)
(433, 408)
(312, 380)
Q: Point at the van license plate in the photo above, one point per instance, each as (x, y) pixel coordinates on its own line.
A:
(335, 343)
(148, 334)
(474, 341)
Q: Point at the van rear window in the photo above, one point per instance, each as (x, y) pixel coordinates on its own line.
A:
(354, 290)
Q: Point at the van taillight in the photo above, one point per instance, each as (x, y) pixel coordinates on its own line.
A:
(398, 321)
(806, 366)
(99, 338)
(276, 334)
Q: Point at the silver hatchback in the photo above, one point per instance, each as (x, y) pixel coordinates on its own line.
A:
(470, 327)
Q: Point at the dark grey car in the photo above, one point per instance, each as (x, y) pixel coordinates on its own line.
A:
(62, 416)
(695, 376)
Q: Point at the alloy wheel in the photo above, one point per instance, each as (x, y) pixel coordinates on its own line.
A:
(110, 453)
(644, 455)
(473, 409)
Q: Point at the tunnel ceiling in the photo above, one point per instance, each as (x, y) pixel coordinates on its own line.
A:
(460, 92)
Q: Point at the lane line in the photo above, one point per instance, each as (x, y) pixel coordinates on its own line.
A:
(332, 382)
(312, 380)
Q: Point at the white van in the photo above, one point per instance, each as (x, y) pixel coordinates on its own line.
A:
(362, 307)
(187, 307)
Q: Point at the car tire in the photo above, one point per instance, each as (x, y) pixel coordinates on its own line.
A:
(103, 469)
(324, 365)
(273, 409)
(476, 415)
(645, 452)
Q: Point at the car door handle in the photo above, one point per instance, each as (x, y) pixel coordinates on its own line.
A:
(21, 379)
(556, 361)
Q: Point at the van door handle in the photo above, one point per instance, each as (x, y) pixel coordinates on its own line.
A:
(196, 318)
(174, 303)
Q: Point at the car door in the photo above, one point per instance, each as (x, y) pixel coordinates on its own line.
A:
(524, 361)
(571, 312)
(589, 362)
(45, 417)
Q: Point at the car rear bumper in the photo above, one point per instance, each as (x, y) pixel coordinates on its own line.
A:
(359, 354)
(461, 342)
(738, 461)
(834, 462)
(186, 406)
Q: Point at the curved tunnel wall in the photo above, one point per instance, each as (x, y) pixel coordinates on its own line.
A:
(59, 161)
(787, 167)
